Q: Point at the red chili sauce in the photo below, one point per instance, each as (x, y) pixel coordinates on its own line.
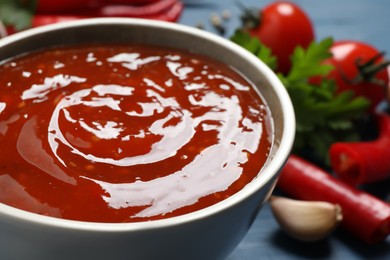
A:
(126, 133)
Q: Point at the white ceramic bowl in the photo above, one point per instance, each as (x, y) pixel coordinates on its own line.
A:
(211, 233)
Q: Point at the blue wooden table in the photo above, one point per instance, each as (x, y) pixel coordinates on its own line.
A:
(363, 20)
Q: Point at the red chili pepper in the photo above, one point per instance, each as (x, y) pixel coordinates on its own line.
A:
(60, 6)
(165, 10)
(43, 19)
(172, 15)
(363, 162)
(10, 30)
(364, 215)
(149, 9)
(126, 2)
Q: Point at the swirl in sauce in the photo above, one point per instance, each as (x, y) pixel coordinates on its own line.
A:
(119, 133)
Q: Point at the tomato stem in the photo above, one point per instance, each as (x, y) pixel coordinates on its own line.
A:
(368, 70)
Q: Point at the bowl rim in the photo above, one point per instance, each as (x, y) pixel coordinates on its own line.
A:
(267, 175)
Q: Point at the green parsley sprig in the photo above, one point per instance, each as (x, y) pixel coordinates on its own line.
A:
(17, 13)
(323, 116)
(253, 45)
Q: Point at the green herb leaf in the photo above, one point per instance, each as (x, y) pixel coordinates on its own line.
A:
(17, 13)
(323, 116)
(308, 63)
(254, 46)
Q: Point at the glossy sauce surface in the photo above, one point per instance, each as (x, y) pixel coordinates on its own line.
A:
(126, 133)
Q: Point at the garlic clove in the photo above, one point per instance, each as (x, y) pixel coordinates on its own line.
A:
(306, 220)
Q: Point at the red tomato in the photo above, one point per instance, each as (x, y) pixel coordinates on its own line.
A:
(283, 26)
(353, 72)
